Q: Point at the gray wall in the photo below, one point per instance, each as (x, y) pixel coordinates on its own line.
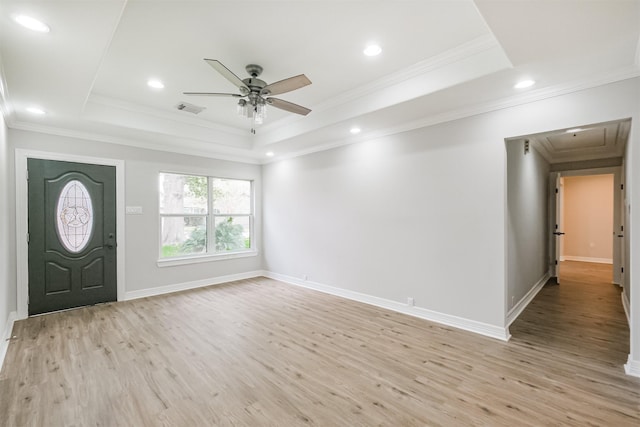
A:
(7, 261)
(411, 215)
(420, 214)
(141, 189)
(527, 220)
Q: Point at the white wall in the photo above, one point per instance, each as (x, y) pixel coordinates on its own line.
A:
(527, 220)
(632, 267)
(394, 218)
(141, 189)
(7, 262)
(420, 214)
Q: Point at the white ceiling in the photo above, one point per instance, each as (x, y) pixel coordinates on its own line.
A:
(587, 142)
(439, 58)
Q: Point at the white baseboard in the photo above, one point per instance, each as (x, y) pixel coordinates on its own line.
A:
(6, 336)
(625, 304)
(587, 259)
(161, 290)
(632, 367)
(517, 309)
(423, 313)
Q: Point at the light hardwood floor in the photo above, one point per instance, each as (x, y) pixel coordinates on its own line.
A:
(262, 353)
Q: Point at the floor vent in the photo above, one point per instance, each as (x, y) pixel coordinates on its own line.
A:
(189, 108)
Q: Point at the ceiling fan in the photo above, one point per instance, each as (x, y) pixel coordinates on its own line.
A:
(255, 93)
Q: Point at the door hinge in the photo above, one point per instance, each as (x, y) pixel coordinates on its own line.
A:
(27, 237)
(556, 191)
(622, 228)
(622, 186)
(621, 269)
(556, 226)
(556, 261)
(27, 174)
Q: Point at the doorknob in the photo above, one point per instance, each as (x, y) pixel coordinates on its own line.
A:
(111, 241)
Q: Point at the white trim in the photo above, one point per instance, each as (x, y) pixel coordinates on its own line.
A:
(586, 259)
(170, 262)
(180, 145)
(6, 336)
(625, 305)
(22, 258)
(632, 367)
(464, 112)
(422, 313)
(161, 290)
(517, 309)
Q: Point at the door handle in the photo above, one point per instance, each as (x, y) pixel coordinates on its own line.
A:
(620, 235)
(558, 233)
(111, 241)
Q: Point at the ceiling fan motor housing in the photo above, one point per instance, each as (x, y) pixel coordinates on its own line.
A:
(254, 70)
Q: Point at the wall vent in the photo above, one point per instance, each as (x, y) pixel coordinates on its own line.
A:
(190, 108)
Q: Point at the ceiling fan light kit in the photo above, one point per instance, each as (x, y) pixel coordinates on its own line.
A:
(254, 93)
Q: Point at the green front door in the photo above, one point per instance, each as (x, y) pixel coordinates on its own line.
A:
(72, 229)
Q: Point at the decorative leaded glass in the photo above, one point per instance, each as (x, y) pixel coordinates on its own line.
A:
(74, 214)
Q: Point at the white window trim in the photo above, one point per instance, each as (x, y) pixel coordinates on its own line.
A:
(196, 259)
(210, 217)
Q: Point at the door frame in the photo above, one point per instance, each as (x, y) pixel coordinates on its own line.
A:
(618, 252)
(22, 224)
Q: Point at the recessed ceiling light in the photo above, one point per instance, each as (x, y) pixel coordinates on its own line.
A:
(270, 154)
(372, 50)
(355, 130)
(573, 130)
(524, 84)
(32, 23)
(156, 84)
(36, 110)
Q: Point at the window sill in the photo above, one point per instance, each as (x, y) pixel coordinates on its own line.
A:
(170, 262)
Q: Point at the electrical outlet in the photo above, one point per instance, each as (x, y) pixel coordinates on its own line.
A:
(411, 302)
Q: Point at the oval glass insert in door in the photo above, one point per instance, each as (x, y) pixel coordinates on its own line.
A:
(74, 214)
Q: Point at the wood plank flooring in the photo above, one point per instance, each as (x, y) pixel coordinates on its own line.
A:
(262, 353)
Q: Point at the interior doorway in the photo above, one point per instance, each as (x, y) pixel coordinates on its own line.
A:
(587, 222)
(539, 247)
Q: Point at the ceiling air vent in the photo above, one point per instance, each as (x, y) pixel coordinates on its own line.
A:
(189, 108)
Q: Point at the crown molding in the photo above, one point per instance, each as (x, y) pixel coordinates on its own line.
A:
(6, 109)
(451, 56)
(181, 146)
(457, 114)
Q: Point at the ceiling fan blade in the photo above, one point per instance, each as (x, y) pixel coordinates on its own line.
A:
(235, 95)
(227, 74)
(288, 106)
(286, 85)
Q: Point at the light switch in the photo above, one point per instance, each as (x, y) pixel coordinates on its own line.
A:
(134, 210)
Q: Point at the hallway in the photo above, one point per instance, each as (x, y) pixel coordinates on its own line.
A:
(579, 322)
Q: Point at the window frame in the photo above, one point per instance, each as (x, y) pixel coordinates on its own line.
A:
(210, 254)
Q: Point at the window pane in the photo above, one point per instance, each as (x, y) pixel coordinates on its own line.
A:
(231, 196)
(232, 233)
(183, 194)
(183, 236)
(74, 216)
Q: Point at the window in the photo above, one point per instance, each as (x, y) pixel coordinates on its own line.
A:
(203, 215)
